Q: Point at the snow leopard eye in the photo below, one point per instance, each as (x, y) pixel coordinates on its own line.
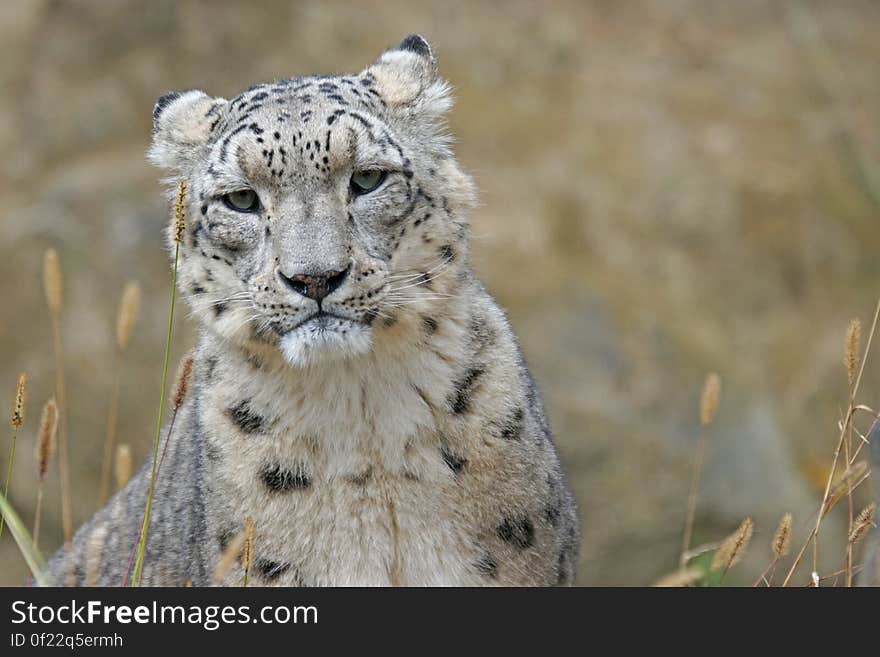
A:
(364, 182)
(243, 200)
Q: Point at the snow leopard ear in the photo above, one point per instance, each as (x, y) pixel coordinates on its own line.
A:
(407, 76)
(183, 122)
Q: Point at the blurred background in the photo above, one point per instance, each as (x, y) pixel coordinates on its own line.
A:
(694, 187)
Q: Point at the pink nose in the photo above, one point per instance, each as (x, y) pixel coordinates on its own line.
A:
(314, 286)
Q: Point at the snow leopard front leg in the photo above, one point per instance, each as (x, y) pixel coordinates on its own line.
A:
(103, 549)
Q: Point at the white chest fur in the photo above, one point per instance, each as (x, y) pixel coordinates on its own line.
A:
(342, 470)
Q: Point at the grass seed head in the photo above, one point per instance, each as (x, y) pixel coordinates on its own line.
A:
(247, 552)
(52, 282)
(863, 522)
(180, 211)
(781, 543)
(46, 438)
(129, 307)
(733, 548)
(18, 405)
(181, 384)
(851, 354)
(709, 399)
(122, 465)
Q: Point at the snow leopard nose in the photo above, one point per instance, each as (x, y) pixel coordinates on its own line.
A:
(315, 286)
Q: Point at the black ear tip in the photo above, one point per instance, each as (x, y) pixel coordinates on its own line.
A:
(164, 101)
(418, 44)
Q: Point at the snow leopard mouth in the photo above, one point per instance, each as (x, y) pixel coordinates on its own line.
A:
(323, 321)
(325, 337)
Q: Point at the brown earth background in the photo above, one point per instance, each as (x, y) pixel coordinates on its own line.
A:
(667, 189)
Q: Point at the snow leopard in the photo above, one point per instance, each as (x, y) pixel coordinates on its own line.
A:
(357, 398)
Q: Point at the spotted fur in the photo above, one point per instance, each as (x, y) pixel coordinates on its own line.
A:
(357, 392)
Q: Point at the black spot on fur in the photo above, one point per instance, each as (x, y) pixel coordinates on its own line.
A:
(487, 565)
(280, 479)
(460, 399)
(430, 325)
(361, 478)
(553, 509)
(453, 461)
(482, 333)
(271, 570)
(511, 428)
(219, 309)
(447, 253)
(519, 532)
(245, 418)
(370, 316)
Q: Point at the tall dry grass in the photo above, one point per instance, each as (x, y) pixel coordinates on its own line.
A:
(53, 286)
(843, 479)
(16, 422)
(129, 307)
(45, 449)
(179, 226)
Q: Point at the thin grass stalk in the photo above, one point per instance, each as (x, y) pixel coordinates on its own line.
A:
(17, 420)
(248, 550)
(37, 515)
(813, 536)
(849, 498)
(708, 408)
(126, 581)
(850, 360)
(129, 306)
(110, 433)
(699, 457)
(179, 211)
(9, 474)
(53, 288)
(181, 389)
(142, 543)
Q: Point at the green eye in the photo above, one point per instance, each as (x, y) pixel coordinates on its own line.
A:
(364, 182)
(243, 200)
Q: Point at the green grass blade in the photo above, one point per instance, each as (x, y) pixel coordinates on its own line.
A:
(142, 544)
(25, 543)
(9, 473)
